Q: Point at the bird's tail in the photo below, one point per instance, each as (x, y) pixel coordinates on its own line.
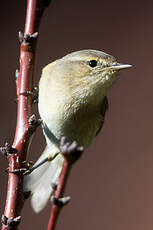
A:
(39, 181)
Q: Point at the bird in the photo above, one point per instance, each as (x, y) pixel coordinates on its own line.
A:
(72, 102)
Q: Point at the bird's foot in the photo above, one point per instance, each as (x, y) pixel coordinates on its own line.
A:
(26, 167)
(49, 158)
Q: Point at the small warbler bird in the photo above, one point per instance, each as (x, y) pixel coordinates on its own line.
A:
(72, 103)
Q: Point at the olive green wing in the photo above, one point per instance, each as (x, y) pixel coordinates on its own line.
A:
(104, 108)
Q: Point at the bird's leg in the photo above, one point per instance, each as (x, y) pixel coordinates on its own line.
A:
(27, 170)
(49, 158)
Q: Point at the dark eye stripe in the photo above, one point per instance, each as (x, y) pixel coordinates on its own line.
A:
(92, 63)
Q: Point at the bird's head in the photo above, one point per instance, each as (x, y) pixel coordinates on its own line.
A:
(85, 74)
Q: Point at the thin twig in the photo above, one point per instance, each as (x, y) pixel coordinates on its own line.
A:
(24, 83)
(55, 208)
(71, 153)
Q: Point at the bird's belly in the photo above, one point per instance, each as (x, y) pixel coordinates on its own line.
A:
(80, 128)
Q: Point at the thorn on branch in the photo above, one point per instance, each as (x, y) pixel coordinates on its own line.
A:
(54, 186)
(8, 149)
(60, 202)
(10, 222)
(4, 219)
(17, 73)
(27, 39)
(20, 37)
(70, 151)
(33, 121)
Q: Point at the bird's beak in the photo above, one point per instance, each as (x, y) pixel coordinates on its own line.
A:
(119, 66)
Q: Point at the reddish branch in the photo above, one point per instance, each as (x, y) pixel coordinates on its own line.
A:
(24, 129)
(55, 207)
(71, 153)
(24, 83)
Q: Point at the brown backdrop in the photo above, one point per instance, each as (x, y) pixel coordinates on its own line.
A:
(112, 185)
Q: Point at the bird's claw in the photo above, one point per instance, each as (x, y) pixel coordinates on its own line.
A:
(8, 149)
(16, 171)
(60, 202)
(24, 170)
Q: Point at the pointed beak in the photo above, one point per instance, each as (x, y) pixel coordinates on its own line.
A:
(119, 66)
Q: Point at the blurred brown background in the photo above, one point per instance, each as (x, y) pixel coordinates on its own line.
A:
(112, 185)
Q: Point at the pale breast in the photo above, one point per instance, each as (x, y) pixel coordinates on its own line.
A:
(67, 114)
(80, 126)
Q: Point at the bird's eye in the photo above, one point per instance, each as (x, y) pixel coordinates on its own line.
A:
(92, 63)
